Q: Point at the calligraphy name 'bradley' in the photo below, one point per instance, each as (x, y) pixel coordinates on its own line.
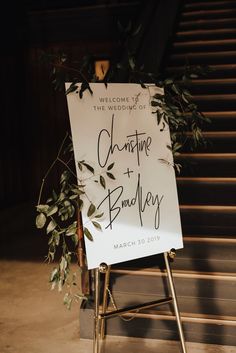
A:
(136, 143)
(115, 204)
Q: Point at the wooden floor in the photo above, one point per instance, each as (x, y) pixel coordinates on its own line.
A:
(34, 320)
(117, 344)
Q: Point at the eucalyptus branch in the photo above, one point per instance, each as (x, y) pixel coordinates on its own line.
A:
(51, 167)
(44, 179)
(68, 68)
(66, 165)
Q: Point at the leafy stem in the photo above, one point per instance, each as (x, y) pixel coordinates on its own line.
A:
(51, 167)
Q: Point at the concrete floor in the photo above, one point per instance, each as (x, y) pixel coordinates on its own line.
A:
(34, 320)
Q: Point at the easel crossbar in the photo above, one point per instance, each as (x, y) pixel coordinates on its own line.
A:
(135, 308)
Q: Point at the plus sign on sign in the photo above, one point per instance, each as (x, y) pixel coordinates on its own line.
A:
(125, 172)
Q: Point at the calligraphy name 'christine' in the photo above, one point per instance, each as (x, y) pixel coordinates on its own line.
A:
(115, 204)
(136, 143)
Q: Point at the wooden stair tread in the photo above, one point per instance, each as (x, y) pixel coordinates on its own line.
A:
(204, 42)
(176, 273)
(214, 97)
(207, 179)
(209, 208)
(207, 4)
(224, 68)
(208, 12)
(213, 81)
(229, 53)
(208, 155)
(219, 114)
(219, 134)
(207, 22)
(215, 240)
(205, 32)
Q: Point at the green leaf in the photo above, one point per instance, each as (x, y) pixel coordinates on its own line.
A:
(67, 301)
(168, 81)
(84, 86)
(110, 166)
(40, 220)
(132, 62)
(102, 181)
(158, 96)
(42, 208)
(52, 210)
(99, 215)
(63, 264)
(155, 104)
(74, 238)
(54, 274)
(111, 176)
(51, 226)
(73, 197)
(54, 195)
(88, 234)
(97, 225)
(137, 30)
(65, 176)
(88, 167)
(72, 88)
(56, 237)
(80, 204)
(178, 167)
(184, 98)
(193, 75)
(91, 210)
(72, 229)
(142, 84)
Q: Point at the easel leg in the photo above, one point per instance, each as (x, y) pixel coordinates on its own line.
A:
(96, 313)
(104, 304)
(176, 308)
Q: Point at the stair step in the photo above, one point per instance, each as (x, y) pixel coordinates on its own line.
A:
(208, 13)
(218, 240)
(207, 23)
(220, 120)
(218, 86)
(215, 142)
(196, 329)
(209, 5)
(202, 254)
(218, 101)
(208, 164)
(187, 283)
(215, 71)
(187, 306)
(206, 257)
(218, 217)
(206, 34)
(207, 191)
(214, 97)
(208, 44)
(207, 58)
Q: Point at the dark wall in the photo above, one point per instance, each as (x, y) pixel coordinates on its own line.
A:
(34, 116)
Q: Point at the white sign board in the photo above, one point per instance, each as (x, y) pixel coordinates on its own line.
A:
(140, 206)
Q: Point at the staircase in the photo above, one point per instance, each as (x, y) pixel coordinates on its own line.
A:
(204, 271)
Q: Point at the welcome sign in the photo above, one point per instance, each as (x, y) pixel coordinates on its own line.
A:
(132, 184)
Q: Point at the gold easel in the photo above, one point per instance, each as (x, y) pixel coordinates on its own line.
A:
(99, 318)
